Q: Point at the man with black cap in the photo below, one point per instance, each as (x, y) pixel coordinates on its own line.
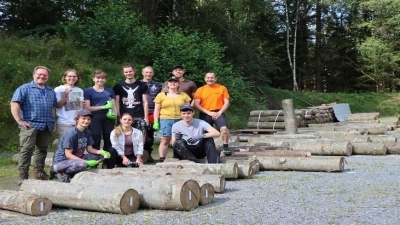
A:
(193, 138)
(187, 86)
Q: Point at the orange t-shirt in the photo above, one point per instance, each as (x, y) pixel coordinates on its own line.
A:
(212, 97)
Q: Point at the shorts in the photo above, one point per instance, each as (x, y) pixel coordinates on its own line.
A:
(166, 126)
(220, 122)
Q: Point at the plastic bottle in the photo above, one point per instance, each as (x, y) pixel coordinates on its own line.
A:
(81, 99)
(112, 109)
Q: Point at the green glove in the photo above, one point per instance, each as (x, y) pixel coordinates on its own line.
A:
(92, 163)
(108, 106)
(106, 154)
(111, 116)
(156, 125)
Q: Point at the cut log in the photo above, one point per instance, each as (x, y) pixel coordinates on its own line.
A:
(383, 139)
(266, 125)
(283, 153)
(229, 170)
(162, 192)
(338, 148)
(267, 119)
(376, 130)
(89, 196)
(151, 170)
(206, 194)
(24, 203)
(218, 181)
(266, 113)
(253, 163)
(392, 148)
(360, 148)
(311, 164)
(290, 119)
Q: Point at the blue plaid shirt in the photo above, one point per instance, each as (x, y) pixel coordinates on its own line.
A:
(36, 105)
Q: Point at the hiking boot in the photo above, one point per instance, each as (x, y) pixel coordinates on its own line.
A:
(226, 150)
(63, 177)
(41, 175)
(22, 176)
(151, 160)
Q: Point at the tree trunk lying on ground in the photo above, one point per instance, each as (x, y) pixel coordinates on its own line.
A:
(24, 203)
(274, 153)
(312, 164)
(254, 166)
(369, 148)
(90, 196)
(151, 169)
(218, 181)
(341, 148)
(162, 192)
(229, 170)
(383, 139)
(392, 148)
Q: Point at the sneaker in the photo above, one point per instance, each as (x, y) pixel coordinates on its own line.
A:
(41, 175)
(22, 176)
(63, 177)
(53, 175)
(226, 150)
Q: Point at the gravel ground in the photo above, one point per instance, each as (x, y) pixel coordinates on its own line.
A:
(368, 192)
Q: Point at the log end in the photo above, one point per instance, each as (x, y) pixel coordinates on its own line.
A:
(206, 172)
(40, 206)
(207, 192)
(222, 184)
(130, 201)
(190, 195)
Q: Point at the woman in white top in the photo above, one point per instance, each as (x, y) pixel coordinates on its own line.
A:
(127, 144)
(69, 99)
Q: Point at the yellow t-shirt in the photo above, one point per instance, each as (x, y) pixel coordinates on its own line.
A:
(170, 107)
(212, 97)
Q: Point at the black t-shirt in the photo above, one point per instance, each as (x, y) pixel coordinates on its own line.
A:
(131, 97)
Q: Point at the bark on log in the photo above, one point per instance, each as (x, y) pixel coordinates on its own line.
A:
(290, 119)
(312, 164)
(24, 203)
(267, 119)
(253, 163)
(89, 196)
(342, 148)
(229, 170)
(360, 148)
(376, 130)
(266, 113)
(218, 181)
(154, 170)
(383, 139)
(162, 192)
(266, 125)
(282, 153)
(392, 148)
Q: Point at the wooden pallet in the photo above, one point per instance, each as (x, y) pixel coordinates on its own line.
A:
(258, 131)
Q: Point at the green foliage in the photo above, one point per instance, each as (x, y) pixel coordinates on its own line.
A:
(113, 33)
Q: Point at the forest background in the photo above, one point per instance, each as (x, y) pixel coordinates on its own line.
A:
(314, 51)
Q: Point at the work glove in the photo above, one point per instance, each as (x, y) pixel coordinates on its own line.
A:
(195, 138)
(92, 163)
(156, 125)
(111, 116)
(178, 136)
(109, 105)
(106, 154)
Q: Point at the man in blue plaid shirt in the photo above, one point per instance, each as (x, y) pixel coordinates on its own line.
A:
(32, 107)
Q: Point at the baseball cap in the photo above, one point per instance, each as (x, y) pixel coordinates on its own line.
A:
(173, 78)
(85, 113)
(186, 107)
(177, 66)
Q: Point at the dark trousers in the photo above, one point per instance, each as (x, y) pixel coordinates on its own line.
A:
(148, 133)
(99, 126)
(206, 147)
(116, 160)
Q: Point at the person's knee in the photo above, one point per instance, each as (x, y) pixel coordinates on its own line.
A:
(224, 130)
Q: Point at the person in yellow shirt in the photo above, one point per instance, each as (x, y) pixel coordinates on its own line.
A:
(167, 109)
(212, 100)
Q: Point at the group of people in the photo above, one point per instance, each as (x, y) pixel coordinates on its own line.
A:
(125, 117)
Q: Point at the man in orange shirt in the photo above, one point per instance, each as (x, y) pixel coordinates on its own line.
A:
(212, 100)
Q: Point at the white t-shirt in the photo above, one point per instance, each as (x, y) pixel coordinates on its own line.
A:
(66, 114)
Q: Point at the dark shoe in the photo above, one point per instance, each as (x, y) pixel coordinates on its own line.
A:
(41, 175)
(226, 150)
(63, 177)
(22, 176)
(53, 175)
(151, 160)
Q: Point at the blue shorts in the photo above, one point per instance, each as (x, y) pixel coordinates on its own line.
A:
(166, 126)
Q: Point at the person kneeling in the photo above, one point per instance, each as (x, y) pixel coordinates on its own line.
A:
(127, 144)
(70, 159)
(193, 138)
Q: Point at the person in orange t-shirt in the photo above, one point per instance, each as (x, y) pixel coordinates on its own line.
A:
(212, 100)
